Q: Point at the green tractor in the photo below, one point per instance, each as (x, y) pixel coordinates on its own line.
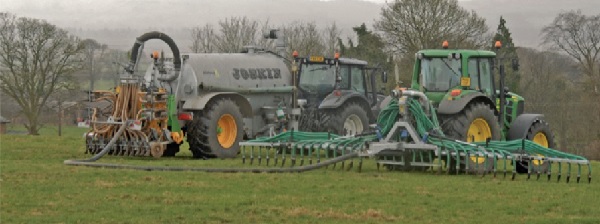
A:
(461, 86)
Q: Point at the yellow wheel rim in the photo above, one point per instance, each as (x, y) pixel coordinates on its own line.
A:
(541, 139)
(226, 131)
(479, 131)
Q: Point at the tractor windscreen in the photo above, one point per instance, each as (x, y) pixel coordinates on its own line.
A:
(440, 74)
(317, 78)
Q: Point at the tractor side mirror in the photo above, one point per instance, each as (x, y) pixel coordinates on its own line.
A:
(384, 77)
(515, 64)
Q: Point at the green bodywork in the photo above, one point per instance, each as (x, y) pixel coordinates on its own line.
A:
(451, 68)
(173, 121)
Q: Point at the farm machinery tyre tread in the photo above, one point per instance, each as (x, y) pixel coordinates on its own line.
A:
(202, 131)
(537, 128)
(324, 118)
(338, 117)
(457, 127)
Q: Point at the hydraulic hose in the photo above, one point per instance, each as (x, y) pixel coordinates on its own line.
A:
(165, 38)
(299, 169)
(104, 150)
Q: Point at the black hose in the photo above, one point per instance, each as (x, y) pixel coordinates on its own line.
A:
(299, 169)
(154, 35)
(104, 150)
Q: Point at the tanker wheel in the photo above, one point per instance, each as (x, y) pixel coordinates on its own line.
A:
(349, 120)
(217, 132)
(540, 133)
(475, 123)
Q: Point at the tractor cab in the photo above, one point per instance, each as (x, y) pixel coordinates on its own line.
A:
(329, 88)
(452, 74)
(319, 77)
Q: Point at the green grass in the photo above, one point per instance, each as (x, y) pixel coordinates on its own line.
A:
(37, 188)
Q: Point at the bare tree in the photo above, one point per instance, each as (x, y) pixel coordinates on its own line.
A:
(409, 25)
(66, 91)
(261, 40)
(331, 37)
(303, 37)
(552, 86)
(93, 52)
(578, 36)
(35, 58)
(235, 33)
(203, 39)
(542, 70)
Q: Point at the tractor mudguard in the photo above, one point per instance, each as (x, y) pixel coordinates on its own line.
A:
(331, 101)
(199, 102)
(520, 127)
(456, 105)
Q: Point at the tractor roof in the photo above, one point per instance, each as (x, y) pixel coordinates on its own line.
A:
(463, 52)
(352, 61)
(325, 60)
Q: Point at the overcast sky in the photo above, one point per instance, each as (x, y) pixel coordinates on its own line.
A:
(525, 18)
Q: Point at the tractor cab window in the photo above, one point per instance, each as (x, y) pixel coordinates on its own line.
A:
(440, 74)
(357, 82)
(317, 77)
(345, 75)
(481, 76)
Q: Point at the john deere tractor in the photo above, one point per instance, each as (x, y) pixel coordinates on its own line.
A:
(460, 84)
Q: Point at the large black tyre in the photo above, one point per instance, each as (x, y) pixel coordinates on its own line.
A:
(350, 119)
(540, 133)
(475, 123)
(217, 131)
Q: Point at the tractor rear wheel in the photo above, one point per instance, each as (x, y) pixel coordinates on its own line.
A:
(349, 120)
(476, 123)
(217, 132)
(540, 133)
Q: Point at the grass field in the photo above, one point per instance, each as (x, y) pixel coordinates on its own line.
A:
(37, 188)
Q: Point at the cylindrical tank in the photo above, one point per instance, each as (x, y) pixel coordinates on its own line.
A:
(209, 72)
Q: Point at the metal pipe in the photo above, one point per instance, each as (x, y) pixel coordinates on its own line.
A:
(424, 99)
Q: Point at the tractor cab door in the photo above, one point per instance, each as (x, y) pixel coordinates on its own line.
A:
(480, 73)
(354, 78)
(351, 78)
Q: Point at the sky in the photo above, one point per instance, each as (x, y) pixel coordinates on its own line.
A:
(525, 18)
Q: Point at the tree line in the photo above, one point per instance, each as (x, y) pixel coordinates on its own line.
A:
(39, 60)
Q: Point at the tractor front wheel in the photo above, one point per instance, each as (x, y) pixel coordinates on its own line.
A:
(476, 123)
(349, 120)
(540, 133)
